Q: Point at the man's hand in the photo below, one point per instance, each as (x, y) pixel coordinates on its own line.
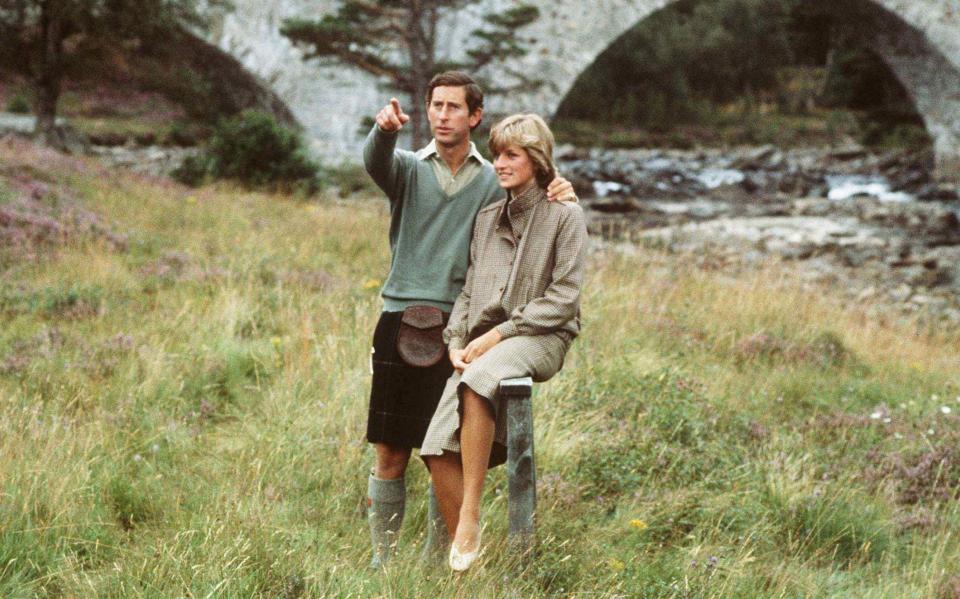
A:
(392, 117)
(481, 345)
(561, 190)
(456, 358)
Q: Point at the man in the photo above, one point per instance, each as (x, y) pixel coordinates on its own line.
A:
(434, 196)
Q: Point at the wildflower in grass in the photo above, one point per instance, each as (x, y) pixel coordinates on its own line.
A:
(638, 524)
(276, 341)
(945, 410)
(191, 199)
(616, 565)
(371, 284)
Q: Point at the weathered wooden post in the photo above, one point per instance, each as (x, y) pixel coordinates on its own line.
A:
(521, 470)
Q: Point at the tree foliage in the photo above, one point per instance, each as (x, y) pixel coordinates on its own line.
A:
(397, 41)
(680, 64)
(685, 55)
(34, 34)
(258, 152)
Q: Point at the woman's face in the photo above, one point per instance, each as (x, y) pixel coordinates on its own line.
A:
(514, 168)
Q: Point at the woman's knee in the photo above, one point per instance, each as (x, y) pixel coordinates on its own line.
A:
(445, 459)
(474, 403)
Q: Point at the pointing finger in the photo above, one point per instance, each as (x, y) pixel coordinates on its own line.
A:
(399, 111)
(394, 120)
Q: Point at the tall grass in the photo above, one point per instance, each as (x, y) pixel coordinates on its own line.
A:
(185, 418)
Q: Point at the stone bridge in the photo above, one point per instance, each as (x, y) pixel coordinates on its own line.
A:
(918, 39)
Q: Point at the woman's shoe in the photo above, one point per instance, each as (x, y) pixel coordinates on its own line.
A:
(459, 562)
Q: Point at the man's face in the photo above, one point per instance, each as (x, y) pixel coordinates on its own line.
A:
(450, 119)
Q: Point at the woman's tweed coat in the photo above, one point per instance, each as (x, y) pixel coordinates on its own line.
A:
(527, 260)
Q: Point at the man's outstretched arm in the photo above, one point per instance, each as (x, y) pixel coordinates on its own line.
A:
(384, 164)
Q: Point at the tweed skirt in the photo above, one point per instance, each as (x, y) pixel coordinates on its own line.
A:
(402, 397)
(539, 357)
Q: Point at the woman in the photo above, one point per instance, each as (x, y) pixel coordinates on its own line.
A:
(516, 316)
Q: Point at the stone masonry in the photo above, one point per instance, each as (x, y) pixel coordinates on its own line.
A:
(919, 40)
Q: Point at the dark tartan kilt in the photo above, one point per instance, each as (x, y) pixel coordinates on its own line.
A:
(402, 397)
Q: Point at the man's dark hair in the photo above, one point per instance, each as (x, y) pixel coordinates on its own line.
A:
(458, 79)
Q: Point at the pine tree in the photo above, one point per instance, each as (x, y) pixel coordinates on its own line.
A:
(397, 40)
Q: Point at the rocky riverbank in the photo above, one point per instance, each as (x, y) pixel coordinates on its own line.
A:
(874, 225)
(155, 160)
(877, 226)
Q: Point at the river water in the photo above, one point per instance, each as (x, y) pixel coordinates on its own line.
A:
(877, 224)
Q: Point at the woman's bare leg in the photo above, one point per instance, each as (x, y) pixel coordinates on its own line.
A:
(446, 472)
(476, 440)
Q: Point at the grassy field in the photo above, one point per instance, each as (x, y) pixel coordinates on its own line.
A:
(183, 382)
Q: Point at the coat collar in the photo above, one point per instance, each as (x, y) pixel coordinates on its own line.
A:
(518, 205)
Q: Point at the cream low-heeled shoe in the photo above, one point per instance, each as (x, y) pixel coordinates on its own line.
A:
(459, 562)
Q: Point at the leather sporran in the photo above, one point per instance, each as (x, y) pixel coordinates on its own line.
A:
(420, 339)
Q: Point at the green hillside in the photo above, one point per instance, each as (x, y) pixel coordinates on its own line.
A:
(183, 381)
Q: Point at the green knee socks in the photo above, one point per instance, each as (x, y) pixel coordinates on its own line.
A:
(386, 500)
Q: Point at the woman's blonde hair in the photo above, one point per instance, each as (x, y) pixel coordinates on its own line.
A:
(531, 133)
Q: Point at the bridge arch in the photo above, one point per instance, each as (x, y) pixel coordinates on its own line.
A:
(918, 40)
(235, 87)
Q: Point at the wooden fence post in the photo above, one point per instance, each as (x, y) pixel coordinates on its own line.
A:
(521, 470)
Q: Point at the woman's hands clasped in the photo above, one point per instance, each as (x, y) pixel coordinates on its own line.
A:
(476, 348)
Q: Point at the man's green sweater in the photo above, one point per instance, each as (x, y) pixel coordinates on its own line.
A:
(429, 230)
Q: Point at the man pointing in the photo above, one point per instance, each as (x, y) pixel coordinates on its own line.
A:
(434, 196)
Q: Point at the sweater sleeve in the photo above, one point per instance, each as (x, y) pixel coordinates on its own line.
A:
(385, 164)
(561, 299)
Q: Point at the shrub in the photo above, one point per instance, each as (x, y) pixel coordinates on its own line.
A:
(255, 150)
(184, 134)
(19, 104)
(192, 171)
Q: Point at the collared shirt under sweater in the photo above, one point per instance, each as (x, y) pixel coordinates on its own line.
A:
(429, 228)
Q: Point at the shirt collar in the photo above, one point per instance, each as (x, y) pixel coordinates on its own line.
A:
(430, 150)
